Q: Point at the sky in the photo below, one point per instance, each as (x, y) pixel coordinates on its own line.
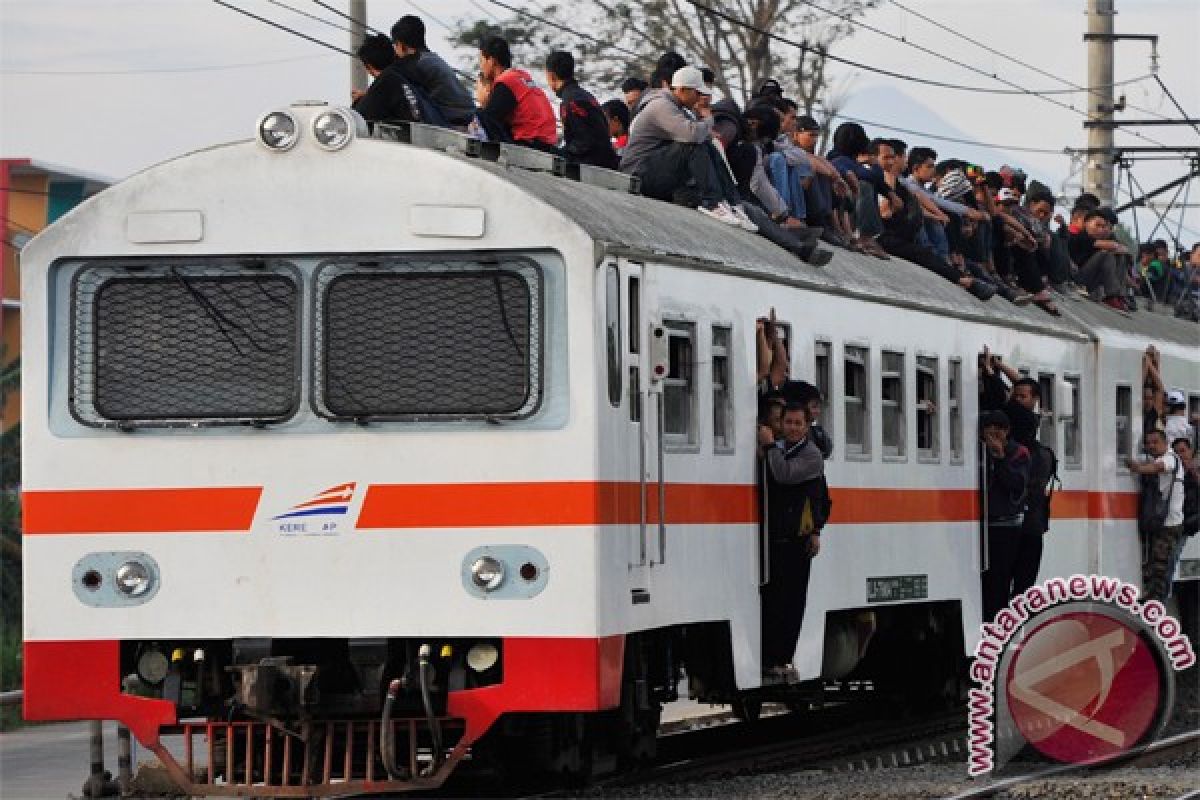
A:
(114, 86)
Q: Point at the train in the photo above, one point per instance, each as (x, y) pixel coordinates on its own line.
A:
(352, 457)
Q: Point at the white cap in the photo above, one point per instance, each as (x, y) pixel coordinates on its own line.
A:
(1176, 397)
(689, 78)
(1007, 195)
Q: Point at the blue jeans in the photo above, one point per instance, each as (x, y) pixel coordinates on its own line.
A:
(936, 239)
(786, 180)
(866, 211)
(819, 198)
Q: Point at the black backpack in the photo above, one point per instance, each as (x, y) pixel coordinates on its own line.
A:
(1191, 501)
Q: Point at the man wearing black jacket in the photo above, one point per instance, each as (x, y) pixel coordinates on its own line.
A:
(1007, 475)
(429, 72)
(797, 509)
(584, 125)
(389, 98)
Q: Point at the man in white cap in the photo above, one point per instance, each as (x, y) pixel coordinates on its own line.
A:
(1175, 423)
(670, 150)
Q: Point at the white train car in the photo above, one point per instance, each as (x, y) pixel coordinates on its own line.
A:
(345, 458)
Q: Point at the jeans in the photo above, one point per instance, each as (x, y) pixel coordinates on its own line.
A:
(936, 239)
(818, 199)
(866, 212)
(1102, 275)
(787, 181)
(681, 173)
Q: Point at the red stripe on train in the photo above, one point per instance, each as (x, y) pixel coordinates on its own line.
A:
(210, 509)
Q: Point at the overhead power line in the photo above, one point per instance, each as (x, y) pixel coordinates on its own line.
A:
(313, 17)
(285, 28)
(346, 16)
(1093, 90)
(159, 70)
(1175, 102)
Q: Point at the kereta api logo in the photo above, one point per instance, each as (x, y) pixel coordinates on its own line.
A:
(1076, 668)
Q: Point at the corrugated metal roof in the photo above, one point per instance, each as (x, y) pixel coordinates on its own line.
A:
(627, 222)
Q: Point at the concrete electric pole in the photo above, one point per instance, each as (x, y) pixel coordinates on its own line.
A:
(1098, 174)
(358, 31)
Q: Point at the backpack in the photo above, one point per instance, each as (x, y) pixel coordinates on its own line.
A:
(1043, 481)
(1153, 504)
(1191, 503)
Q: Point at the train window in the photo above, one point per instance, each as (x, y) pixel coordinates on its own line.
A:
(1124, 420)
(188, 344)
(955, 409)
(857, 401)
(635, 315)
(824, 379)
(1047, 433)
(722, 394)
(892, 399)
(679, 387)
(783, 331)
(927, 407)
(1072, 442)
(416, 339)
(612, 335)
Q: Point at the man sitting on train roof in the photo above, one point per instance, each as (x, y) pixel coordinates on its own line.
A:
(1098, 258)
(512, 107)
(429, 72)
(670, 150)
(618, 124)
(390, 97)
(585, 128)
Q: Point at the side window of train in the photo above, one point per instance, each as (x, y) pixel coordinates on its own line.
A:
(784, 333)
(1123, 420)
(891, 398)
(634, 306)
(823, 375)
(1047, 430)
(612, 333)
(927, 408)
(722, 389)
(857, 401)
(679, 387)
(954, 408)
(1072, 440)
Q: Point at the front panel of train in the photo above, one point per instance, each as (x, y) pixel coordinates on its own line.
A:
(307, 480)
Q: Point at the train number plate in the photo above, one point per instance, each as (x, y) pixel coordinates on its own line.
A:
(889, 588)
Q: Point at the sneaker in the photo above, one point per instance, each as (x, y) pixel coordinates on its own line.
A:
(741, 217)
(982, 290)
(721, 213)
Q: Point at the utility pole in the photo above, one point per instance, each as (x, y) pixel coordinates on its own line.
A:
(358, 32)
(1098, 170)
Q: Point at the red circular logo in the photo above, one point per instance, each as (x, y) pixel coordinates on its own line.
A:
(1083, 686)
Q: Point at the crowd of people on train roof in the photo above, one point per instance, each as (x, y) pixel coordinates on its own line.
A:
(990, 232)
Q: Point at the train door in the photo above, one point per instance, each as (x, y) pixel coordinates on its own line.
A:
(641, 449)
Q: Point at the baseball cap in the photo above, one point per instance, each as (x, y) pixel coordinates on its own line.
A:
(689, 78)
(1007, 195)
(769, 86)
(1176, 397)
(806, 123)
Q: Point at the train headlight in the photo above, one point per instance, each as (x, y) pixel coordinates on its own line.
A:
(487, 573)
(334, 129)
(278, 131)
(152, 666)
(482, 657)
(134, 578)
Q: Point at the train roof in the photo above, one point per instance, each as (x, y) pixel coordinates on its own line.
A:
(641, 227)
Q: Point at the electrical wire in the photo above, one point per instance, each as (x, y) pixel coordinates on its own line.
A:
(157, 70)
(274, 24)
(313, 17)
(1175, 102)
(939, 137)
(880, 71)
(436, 19)
(346, 16)
(1094, 90)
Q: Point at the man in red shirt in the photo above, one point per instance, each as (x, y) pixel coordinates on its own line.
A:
(512, 107)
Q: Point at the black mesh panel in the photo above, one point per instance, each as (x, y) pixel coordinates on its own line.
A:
(180, 346)
(429, 343)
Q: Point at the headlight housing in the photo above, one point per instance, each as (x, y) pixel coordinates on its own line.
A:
(334, 129)
(134, 578)
(278, 131)
(487, 573)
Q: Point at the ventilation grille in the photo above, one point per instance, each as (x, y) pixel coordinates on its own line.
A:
(184, 345)
(428, 340)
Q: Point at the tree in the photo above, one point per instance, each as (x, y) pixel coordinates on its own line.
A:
(614, 39)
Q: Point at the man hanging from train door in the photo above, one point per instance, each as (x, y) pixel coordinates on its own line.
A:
(798, 507)
(1007, 476)
(1020, 405)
